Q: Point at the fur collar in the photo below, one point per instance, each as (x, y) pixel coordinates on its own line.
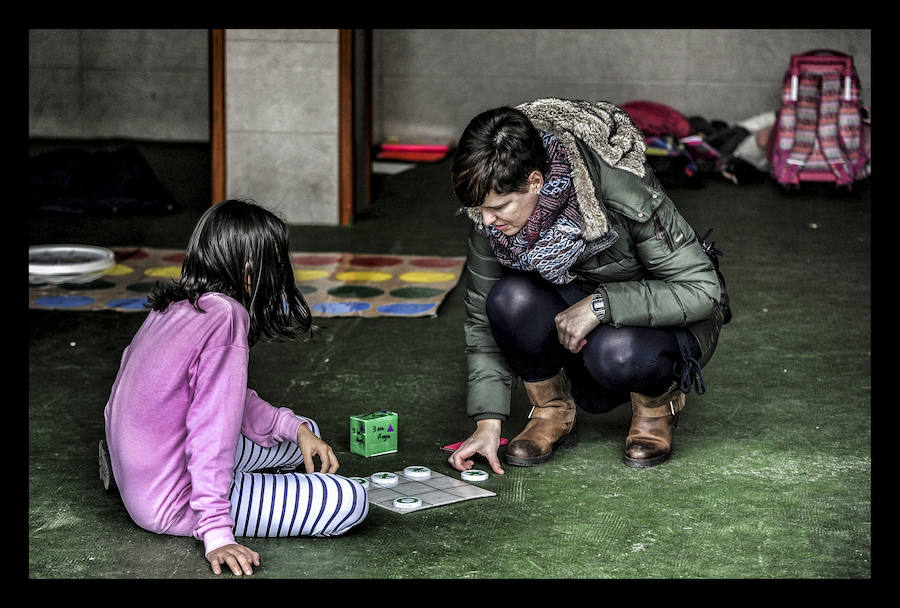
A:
(608, 130)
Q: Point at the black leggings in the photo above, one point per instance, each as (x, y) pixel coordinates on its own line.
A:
(615, 361)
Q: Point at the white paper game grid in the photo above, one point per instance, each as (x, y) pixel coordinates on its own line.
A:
(436, 491)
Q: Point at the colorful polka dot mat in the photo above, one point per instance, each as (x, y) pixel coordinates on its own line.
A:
(334, 284)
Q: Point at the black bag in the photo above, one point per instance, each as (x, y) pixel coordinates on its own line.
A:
(74, 181)
(688, 370)
(713, 253)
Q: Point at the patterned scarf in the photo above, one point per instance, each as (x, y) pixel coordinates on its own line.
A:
(551, 240)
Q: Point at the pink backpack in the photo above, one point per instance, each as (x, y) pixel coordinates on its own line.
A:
(821, 132)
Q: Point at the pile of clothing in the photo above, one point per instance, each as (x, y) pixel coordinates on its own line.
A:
(103, 182)
(685, 151)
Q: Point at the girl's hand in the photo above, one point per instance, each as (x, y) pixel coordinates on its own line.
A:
(238, 557)
(575, 323)
(485, 441)
(311, 445)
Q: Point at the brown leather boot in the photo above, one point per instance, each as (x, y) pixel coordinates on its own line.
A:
(653, 422)
(550, 426)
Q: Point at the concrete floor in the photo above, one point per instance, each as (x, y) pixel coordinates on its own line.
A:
(771, 476)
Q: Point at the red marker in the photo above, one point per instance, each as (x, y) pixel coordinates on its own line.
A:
(455, 446)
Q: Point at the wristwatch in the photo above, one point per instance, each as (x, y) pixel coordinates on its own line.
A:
(599, 307)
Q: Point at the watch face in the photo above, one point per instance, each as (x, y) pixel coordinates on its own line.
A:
(598, 308)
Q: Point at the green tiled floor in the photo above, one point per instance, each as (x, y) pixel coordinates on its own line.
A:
(770, 476)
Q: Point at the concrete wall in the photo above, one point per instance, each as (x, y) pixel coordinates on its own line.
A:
(430, 83)
(281, 108)
(282, 86)
(281, 103)
(101, 83)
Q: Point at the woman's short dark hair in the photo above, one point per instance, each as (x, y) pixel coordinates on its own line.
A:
(235, 240)
(496, 153)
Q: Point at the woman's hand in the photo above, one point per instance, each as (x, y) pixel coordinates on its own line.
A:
(311, 445)
(485, 441)
(237, 557)
(575, 323)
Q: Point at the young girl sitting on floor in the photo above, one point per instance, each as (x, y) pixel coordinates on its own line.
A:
(186, 438)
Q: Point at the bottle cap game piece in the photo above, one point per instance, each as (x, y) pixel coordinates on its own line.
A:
(385, 479)
(407, 502)
(473, 475)
(417, 472)
(361, 480)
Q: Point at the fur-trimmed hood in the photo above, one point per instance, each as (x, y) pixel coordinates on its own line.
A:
(607, 130)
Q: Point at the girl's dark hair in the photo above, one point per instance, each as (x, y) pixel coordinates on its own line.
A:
(235, 240)
(497, 152)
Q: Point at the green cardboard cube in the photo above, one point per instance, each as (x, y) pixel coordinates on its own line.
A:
(373, 434)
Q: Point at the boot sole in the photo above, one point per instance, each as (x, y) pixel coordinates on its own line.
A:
(567, 442)
(645, 463)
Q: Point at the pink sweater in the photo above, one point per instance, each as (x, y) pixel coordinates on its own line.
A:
(175, 414)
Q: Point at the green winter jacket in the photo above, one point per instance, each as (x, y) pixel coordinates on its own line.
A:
(652, 271)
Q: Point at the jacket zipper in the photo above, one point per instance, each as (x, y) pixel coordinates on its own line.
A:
(662, 234)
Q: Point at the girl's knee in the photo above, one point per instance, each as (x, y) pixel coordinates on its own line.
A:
(353, 509)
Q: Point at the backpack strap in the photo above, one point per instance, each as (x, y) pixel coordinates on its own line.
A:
(850, 124)
(829, 143)
(803, 96)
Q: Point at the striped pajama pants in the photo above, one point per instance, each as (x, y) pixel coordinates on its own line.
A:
(290, 503)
